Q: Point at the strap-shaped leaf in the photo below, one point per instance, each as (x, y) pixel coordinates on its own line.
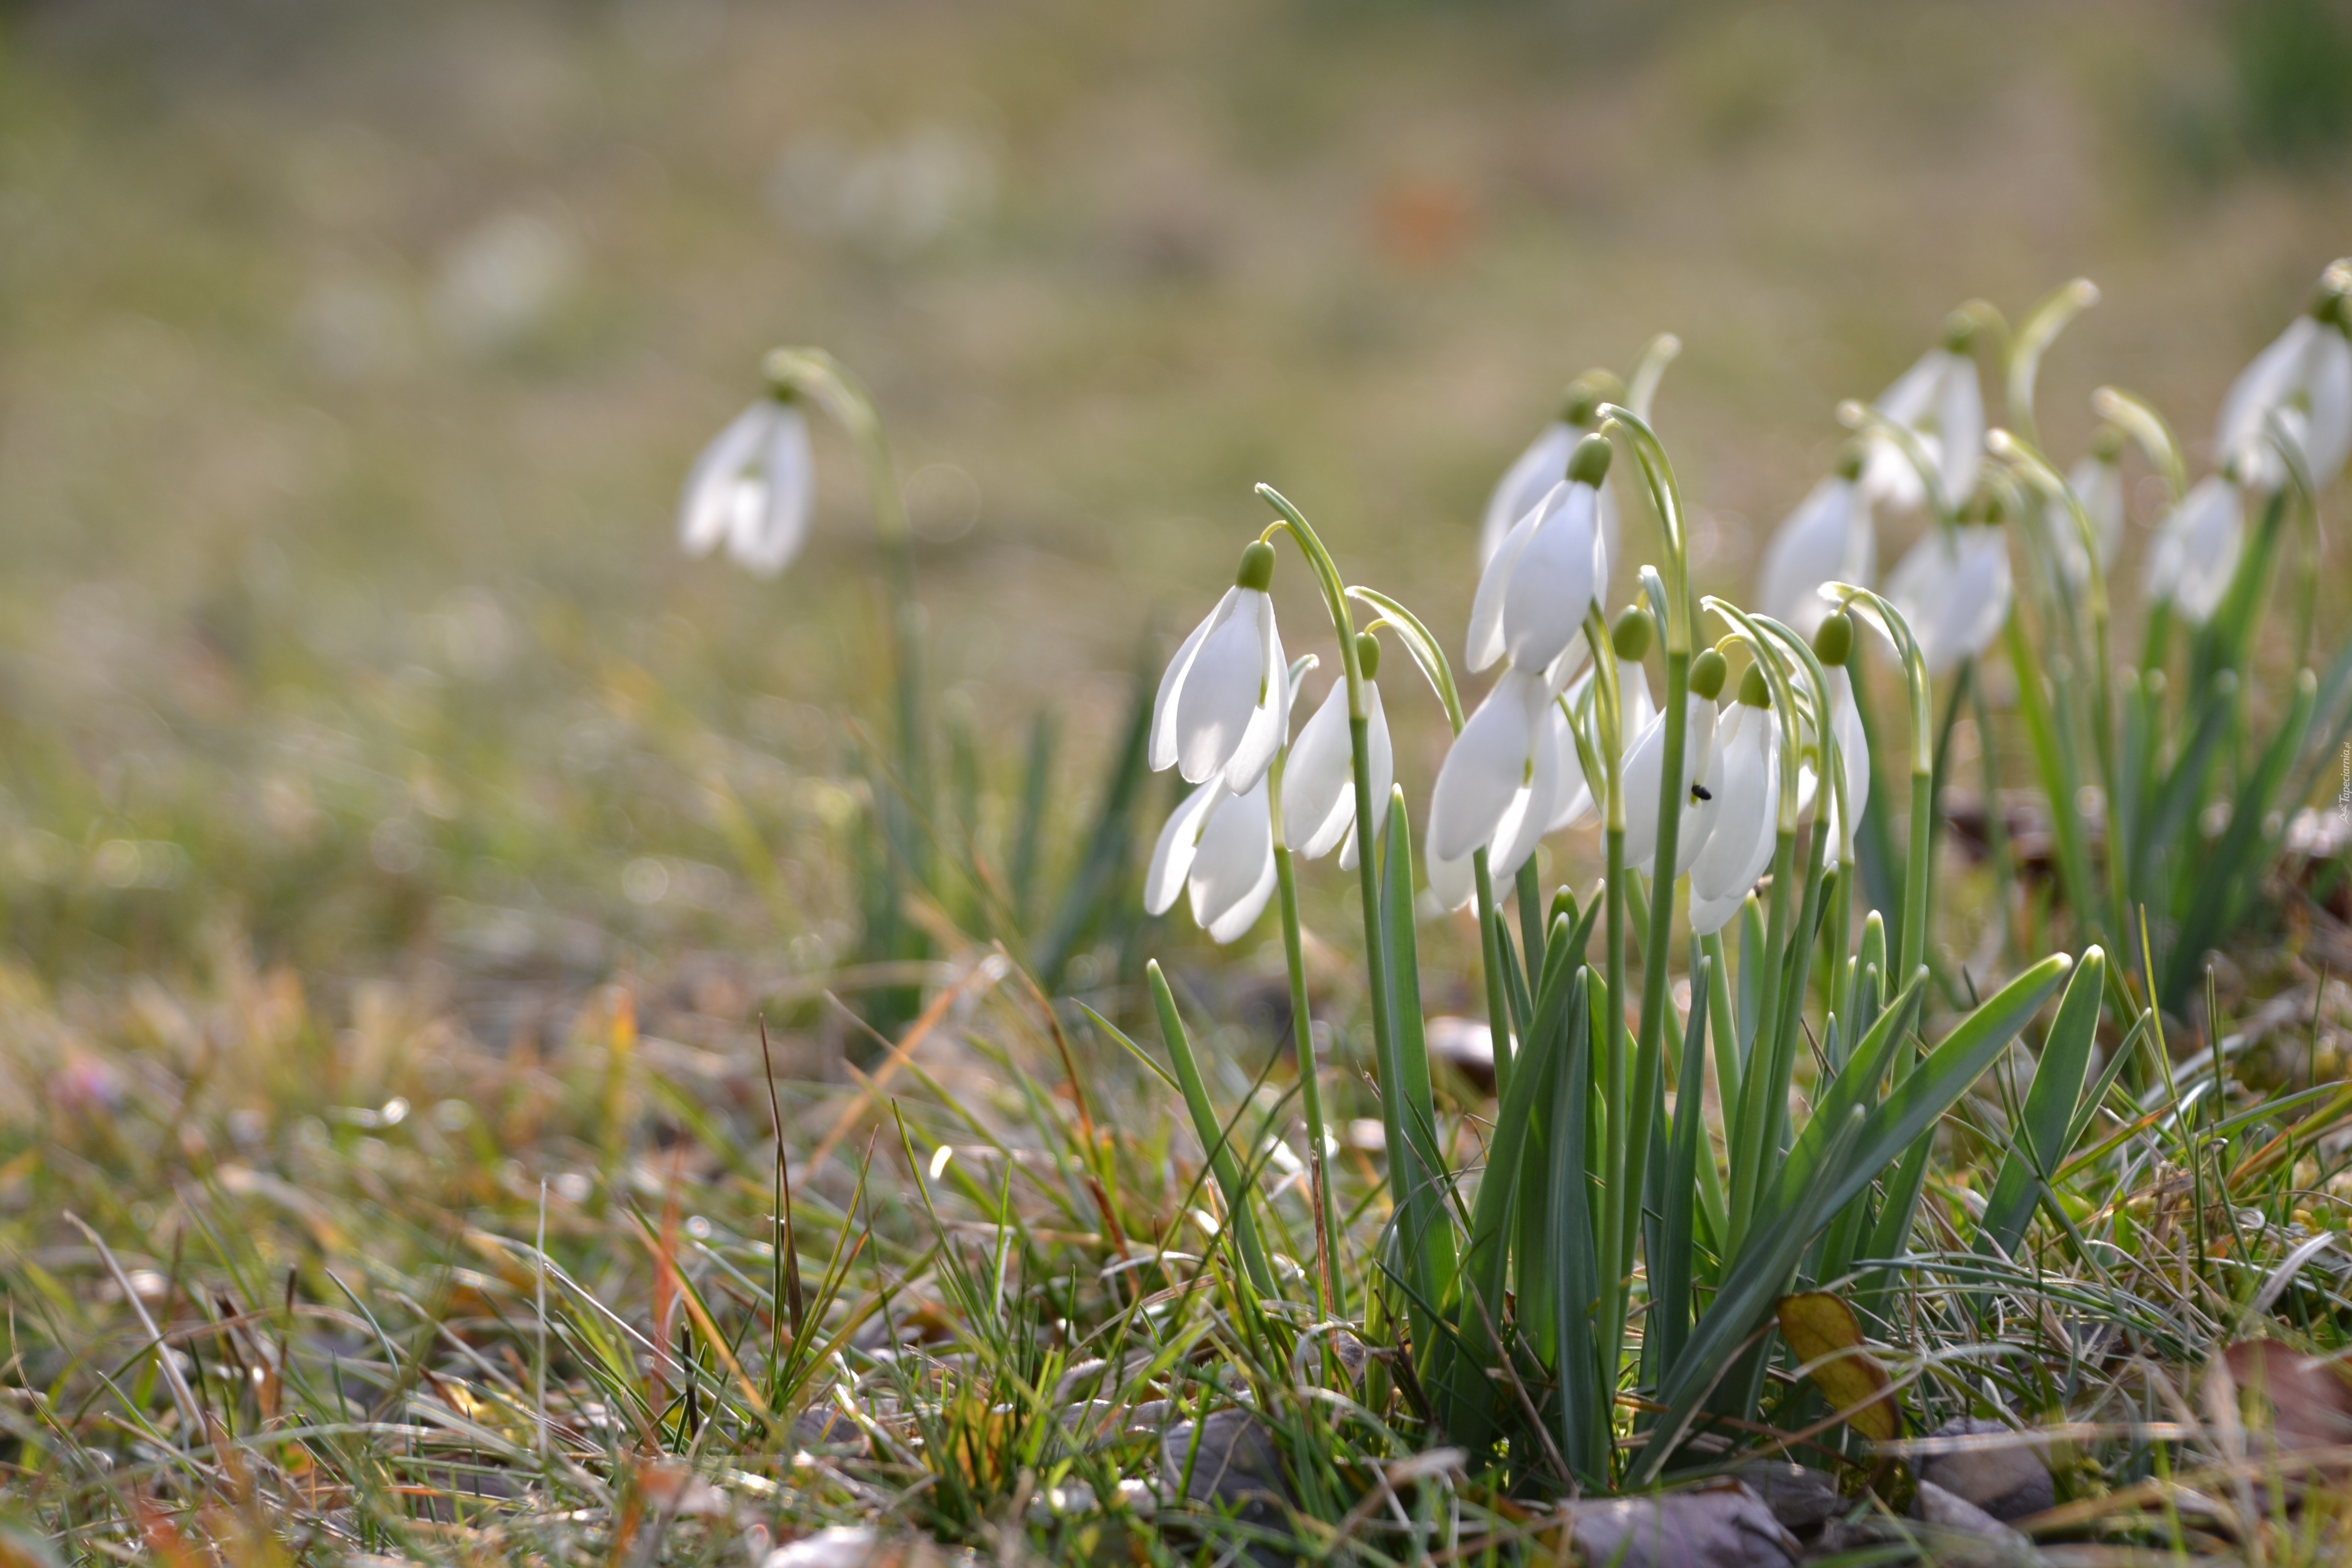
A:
(2039, 1145)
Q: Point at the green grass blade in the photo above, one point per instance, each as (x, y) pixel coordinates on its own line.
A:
(2038, 1144)
(1213, 1135)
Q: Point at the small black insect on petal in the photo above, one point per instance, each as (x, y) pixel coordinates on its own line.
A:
(1700, 792)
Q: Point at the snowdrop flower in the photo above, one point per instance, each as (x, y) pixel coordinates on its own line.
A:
(1318, 783)
(1529, 480)
(1490, 768)
(2196, 551)
(1954, 590)
(1223, 706)
(2305, 379)
(753, 488)
(1833, 645)
(1218, 848)
(2097, 482)
(1828, 539)
(1937, 400)
(1645, 766)
(1546, 571)
(1736, 825)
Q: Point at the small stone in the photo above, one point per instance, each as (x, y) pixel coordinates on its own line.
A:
(1801, 1499)
(1235, 1467)
(1989, 1543)
(2006, 1479)
(837, 1546)
(1722, 1524)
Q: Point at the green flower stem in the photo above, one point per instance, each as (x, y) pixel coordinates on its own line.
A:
(1430, 659)
(1404, 1142)
(812, 373)
(1629, 1164)
(1329, 1300)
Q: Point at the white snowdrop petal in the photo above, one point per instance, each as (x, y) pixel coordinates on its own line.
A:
(1269, 721)
(1233, 870)
(1645, 767)
(1953, 589)
(1487, 767)
(767, 539)
(1530, 813)
(1222, 689)
(706, 502)
(2240, 434)
(1380, 759)
(1484, 644)
(1171, 856)
(1162, 753)
(1551, 583)
(1959, 415)
(1817, 545)
(1318, 789)
(1525, 483)
(1452, 883)
(1708, 915)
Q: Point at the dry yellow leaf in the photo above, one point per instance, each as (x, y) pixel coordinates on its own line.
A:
(1822, 1331)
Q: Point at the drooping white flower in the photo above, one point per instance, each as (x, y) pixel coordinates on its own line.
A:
(1853, 755)
(1533, 473)
(2097, 482)
(1318, 783)
(1645, 766)
(1554, 775)
(2304, 380)
(1953, 589)
(1452, 883)
(1633, 691)
(1489, 766)
(1224, 703)
(752, 490)
(2197, 548)
(1547, 570)
(1218, 848)
(1939, 401)
(1737, 824)
(1828, 539)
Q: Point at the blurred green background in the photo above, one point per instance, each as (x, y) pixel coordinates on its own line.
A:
(351, 357)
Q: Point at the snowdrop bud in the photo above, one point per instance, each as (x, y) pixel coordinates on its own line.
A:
(1755, 692)
(1368, 657)
(1631, 636)
(1589, 463)
(1586, 393)
(1833, 638)
(1256, 570)
(1706, 674)
(1224, 703)
(2197, 549)
(753, 488)
(1953, 589)
(1318, 783)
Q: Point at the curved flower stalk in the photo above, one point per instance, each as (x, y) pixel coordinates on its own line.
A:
(2197, 548)
(1827, 538)
(1223, 706)
(1532, 474)
(1911, 936)
(753, 488)
(2098, 483)
(1939, 402)
(1218, 846)
(1954, 590)
(2298, 391)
